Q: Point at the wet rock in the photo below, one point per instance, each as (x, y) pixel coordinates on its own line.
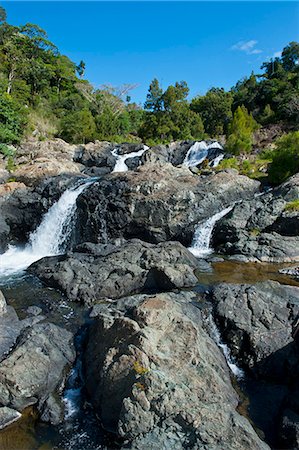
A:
(157, 379)
(3, 305)
(156, 203)
(262, 229)
(8, 416)
(292, 271)
(256, 322)
(96, 272)
(36, 366)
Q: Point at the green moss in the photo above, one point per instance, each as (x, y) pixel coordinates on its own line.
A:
(292, 206)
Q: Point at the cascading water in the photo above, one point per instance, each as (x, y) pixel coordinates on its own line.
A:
(50, 237)
(199, 151)
(120, 165)
(200, 246)
(215, 334)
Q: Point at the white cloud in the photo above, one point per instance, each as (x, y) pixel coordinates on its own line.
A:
(248, 47)
(277, 55)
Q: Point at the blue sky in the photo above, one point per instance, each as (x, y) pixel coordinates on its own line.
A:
(205, 43)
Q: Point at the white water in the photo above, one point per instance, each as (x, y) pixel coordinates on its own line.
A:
(120, 165)
(198, 152)
(216, 161)
(49, 237)
(225, 349)
(200, 246)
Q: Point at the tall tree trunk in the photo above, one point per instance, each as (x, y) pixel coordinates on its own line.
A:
(10, 80)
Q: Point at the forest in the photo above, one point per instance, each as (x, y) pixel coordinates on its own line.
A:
(43, 93)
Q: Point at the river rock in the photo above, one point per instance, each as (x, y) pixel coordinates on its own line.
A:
(94, 272)
(36, 366)
(156, 203)
(262, 229)
(256, 322)
(8, 416)
(158, 380)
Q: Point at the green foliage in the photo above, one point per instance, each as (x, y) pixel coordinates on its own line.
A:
(285, 158)
(228, 163)
(241, 130)
(12, 119)
(290, 56)
(78, 127)
(215, 110)
(154, 97)
(6, 150)
(292, 206)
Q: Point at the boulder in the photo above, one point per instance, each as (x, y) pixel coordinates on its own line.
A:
(262, 229)
(97, 154)
(36, 160)
(157, 379)
(256, 322)
(93, 272)
(156, 203)
(36, 366)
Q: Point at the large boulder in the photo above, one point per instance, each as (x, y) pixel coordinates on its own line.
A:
(36, 367)
(156, 203)
(158, 380)
(262, 229)
(36, 160)
(256, 321)
(94, 272)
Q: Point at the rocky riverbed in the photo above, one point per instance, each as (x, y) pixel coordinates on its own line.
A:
(114, 335)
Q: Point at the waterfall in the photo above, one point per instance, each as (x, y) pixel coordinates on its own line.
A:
(216, 161)
(50, 237)
(215, 335)
(201, 241)
(120, 165)
(199, 151)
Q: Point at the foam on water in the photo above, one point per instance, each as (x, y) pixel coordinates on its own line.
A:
(49, 238)
(120, 165)
(199, 151)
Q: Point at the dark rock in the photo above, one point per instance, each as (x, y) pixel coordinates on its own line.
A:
(36, 366)
(96, 154)
(256, 322)
(157, 379)
(156, 203)
(115, 271)
(261, 228)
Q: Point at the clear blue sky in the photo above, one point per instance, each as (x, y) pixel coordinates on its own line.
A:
(205, 43)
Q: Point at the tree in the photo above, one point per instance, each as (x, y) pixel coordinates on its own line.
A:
(175, 94)
(215, 110)
(78, 127)
(12, 120)
(285, 158)
(154, 97)
(290, 56)
(241, 130)
(81, 68)
(2, 15)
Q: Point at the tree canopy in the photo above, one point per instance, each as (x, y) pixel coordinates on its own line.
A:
(44, 91)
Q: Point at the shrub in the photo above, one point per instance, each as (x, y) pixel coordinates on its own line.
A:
(285, 158)
(292, 206)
